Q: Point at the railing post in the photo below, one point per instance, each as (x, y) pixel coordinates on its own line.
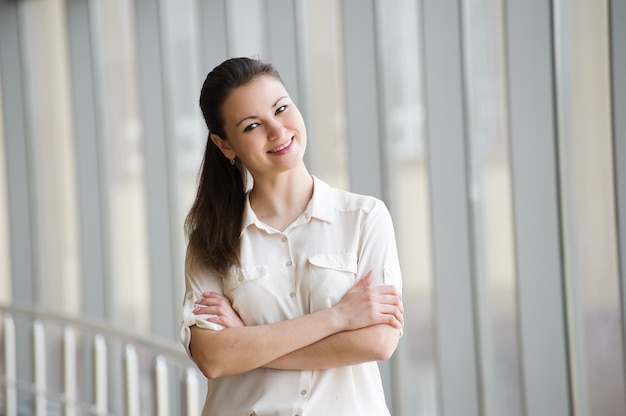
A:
(161, 375)
(101, 393)
(39, 350)
(10, 358)
(41, 400)
(191, 398)
(132, 381)
(69, 371)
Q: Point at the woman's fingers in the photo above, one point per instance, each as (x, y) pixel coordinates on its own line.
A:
(389, 308)
(220, 309)
(366, 305)
(386, 289)
(393, 314)
(212, 300)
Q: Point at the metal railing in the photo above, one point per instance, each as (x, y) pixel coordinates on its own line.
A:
(57, 364)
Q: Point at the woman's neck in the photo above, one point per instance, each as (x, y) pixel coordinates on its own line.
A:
(279, 200)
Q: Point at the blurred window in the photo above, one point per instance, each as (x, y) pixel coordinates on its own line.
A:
(491, 201)
(409, 200)
(590, 247)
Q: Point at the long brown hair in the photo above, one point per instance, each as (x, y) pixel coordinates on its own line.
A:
(213, 223)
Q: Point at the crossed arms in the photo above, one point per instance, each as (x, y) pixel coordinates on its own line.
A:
(363, 326)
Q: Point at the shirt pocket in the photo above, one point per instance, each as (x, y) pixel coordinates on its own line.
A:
(241, 275)
(331, 276)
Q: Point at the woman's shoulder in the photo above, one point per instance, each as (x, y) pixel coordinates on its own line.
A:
(344, 200)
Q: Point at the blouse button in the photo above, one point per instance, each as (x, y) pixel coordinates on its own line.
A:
(283, 239)
(240, 278)
(289, 263)
(292, 294)
(303, 392)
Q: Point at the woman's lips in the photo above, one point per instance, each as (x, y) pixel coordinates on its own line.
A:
(283, 148)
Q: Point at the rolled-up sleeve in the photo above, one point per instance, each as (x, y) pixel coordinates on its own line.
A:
(196, 283)
(378, 249)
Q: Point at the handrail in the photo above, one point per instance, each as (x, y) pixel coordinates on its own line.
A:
(163, 352)
(158, 345)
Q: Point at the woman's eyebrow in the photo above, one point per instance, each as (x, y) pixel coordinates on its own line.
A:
(277, 101)
(252, 117)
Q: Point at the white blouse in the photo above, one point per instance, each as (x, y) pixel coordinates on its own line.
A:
(308, 267)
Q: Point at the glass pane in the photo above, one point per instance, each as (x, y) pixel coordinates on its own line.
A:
(122, 164)
(246, 28)
(52, 160)
(324, 92)
(492, 206)
(588, 195)
(399, 38)
(186, 130)
(5, 242)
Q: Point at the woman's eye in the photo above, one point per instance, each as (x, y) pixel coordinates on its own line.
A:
(281, 109)
(251, 127)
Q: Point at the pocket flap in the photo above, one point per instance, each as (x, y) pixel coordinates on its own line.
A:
(241, 275)
(345, 262)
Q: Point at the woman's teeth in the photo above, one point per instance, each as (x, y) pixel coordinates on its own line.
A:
(284, 146)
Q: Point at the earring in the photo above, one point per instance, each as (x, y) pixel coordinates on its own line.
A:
(232, 161)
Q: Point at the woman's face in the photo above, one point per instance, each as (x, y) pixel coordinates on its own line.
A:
(264, 127)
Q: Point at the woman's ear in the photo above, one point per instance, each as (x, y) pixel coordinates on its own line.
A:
(223, 146)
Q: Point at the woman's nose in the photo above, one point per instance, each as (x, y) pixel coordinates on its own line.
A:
(276, 131)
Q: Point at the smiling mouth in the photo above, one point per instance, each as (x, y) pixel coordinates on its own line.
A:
(281, 147)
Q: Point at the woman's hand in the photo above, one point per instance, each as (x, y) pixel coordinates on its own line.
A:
(366, 305)
(220, 309)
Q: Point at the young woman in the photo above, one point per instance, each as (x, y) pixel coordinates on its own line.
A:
(292, 287)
